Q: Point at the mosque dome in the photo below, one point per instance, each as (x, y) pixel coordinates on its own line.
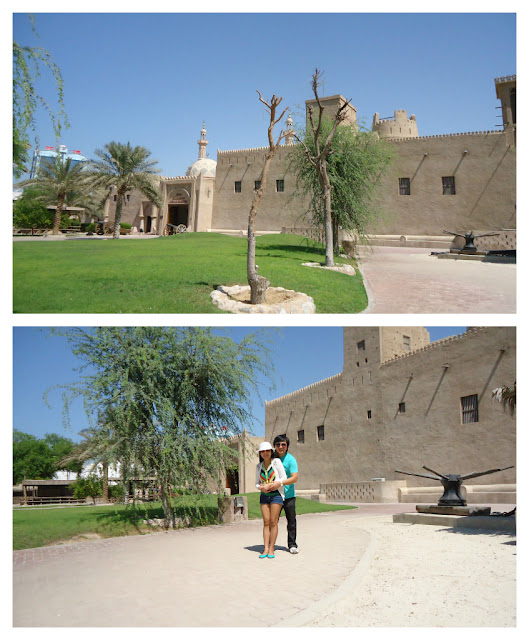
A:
(206, 166)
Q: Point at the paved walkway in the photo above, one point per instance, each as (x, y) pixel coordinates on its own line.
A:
(205, 577)
(409, 280)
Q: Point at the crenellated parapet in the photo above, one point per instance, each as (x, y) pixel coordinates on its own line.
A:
(316, 387)
(449, 135)
(436, 345)
(502, 79)
(400, 126)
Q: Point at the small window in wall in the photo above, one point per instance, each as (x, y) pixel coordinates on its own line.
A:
(301, 436)
(115, 198)
(238, 186)
(469, 409)
(402, 407)
(128, 197)
(406, 343)
(321, 433)
(369, 414)
(361, 346)
(280, 186)
(404, 187)
(257, 185)
(449, 186)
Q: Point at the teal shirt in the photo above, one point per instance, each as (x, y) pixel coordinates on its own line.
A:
(291, 466)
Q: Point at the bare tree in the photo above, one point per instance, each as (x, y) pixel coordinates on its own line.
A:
(259, 284)
(318, 158)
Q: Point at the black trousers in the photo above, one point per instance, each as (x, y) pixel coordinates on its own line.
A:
(289, 505)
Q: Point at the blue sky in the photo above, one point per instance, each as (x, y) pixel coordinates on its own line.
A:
(152, 79)
(303, 355)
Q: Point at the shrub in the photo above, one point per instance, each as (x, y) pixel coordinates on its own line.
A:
(89, 487)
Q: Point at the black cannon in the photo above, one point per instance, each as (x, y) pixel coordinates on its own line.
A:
(469, 237)
(452, 484)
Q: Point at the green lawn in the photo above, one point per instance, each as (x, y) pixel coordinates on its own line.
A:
(34, 527)
(169, 275)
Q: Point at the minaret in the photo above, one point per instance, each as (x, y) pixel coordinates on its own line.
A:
(202, 143)
(289, 135)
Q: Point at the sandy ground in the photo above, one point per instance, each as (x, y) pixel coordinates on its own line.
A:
(355, 569)
(429, 576)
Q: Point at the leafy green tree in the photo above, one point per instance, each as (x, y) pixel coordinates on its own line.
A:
(173, 396)
(30, 210)
(355, 164)
(28, 63)
(89, 487)
(32, 458)
(61, 447)
(318, 155)
(63, 183)
(126, 168)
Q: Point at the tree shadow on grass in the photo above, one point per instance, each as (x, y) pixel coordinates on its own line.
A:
(134, 515)
(303, 248)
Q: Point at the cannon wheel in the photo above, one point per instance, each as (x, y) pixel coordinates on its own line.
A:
(108, 229)
(181, 228)
(166, 230)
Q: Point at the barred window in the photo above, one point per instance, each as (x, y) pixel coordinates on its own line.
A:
(369, 414)
(406, 343)
(321, 433)
(301, 436)
(238, 186)
(469, 409)
(402, 407)
(280, 186)
(257, 185)
(404, 187)
(449, 186)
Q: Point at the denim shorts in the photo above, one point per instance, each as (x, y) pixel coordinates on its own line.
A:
(268, 499)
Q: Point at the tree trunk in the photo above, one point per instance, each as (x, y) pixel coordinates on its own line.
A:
(117, 219)
(336, 234)
(326, 185)
(167, 507)
(105, 481)
(258, 284)
(58, 215)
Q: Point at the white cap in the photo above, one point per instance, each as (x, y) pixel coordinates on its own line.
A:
(265, 446)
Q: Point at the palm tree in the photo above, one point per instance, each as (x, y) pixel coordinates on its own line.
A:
(125, 167)
(101, 446)
(61, 183)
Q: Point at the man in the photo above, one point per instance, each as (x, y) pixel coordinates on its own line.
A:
(281, 444)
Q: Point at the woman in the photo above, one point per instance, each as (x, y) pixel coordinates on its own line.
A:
(269, 470)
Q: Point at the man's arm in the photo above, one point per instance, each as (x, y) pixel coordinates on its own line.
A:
(273, 486)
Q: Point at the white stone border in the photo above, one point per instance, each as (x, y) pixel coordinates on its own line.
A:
(344, 268)
(299, 302)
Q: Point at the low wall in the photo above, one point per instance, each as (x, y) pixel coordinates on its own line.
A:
(372, 491)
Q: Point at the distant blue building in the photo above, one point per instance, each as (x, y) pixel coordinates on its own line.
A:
(48, 156)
